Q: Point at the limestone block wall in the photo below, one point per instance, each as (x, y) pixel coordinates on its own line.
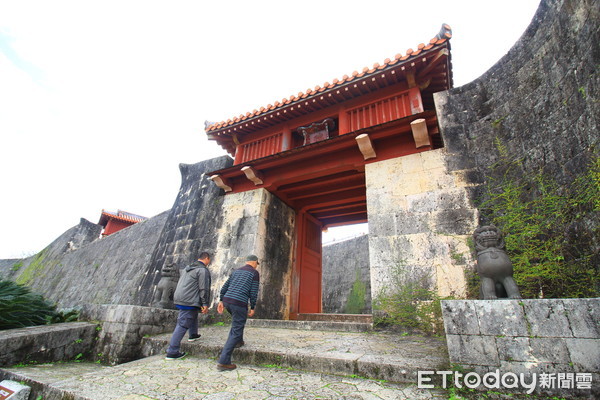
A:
(344, 263)
(257, 222)
(540, 101)
(190, 227)
(420, 216)
(107, 270)
(548, 336)
(124, 326)
(47, 343)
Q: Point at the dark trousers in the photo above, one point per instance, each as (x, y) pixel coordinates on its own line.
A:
(239, 315)
(186, 320)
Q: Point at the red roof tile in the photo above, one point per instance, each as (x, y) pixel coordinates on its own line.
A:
(443, 36)
(120, 215)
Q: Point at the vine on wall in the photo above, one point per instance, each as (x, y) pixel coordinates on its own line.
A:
(551, 230)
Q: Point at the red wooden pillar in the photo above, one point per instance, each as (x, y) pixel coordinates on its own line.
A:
(343, 121)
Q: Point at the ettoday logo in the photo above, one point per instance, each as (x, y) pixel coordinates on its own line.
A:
(508, 380)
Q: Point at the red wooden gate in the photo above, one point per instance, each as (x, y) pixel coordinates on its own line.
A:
(309, 258)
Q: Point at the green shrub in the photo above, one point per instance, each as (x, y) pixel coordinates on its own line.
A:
(19, 307)
(410, 302)
(551, 230)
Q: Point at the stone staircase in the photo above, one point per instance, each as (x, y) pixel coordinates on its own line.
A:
(331, 347)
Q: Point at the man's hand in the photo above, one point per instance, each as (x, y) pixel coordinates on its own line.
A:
(220, 307)
(251, 313)
(205, 310)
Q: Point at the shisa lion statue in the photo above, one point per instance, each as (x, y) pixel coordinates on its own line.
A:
(493, 265)
(163, 297)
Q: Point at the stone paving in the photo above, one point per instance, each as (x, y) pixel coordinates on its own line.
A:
(380, 355)
(197, 378)
(275, 363)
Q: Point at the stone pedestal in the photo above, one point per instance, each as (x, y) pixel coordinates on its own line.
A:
(551, 340)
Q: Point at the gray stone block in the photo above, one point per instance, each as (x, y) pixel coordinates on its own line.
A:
(585, 354)
(460, 317)
(501, 318)
(550, 350)
(479, 350)
(511, 348)
(583, 316)
(547, 318)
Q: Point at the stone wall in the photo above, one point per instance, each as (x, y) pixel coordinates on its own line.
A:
(257, 222)
(47, 343)
(190, 228)
(540, 101)
(79, 268)
(420, 216)
(107, 270)
(124, 326)
(344, 263)
(549, 336)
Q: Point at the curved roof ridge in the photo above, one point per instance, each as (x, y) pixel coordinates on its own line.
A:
(442, 36)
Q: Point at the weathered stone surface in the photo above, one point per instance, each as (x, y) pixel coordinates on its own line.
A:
(547, 318)
(583, 316)
(344, 264)
(123, 327)
(472, 349)
(546, 345)
(539, 101)
(46, 343)
(257, 222)
(419, 218)
(501, 317)
(190, 227)
(585, 354)
(460, 318)
(89, 273)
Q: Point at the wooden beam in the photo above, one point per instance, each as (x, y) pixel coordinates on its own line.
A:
(252, 174)
(420, 133)
(221, 182)
(433, 63)
(365, 146)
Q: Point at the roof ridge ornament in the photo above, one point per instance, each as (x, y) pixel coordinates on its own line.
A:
(445, 32)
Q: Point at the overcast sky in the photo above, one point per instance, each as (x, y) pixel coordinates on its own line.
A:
(101, 100)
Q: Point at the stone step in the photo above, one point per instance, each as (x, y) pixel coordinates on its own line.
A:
(322, 325)
(376, 355)
(362, 318)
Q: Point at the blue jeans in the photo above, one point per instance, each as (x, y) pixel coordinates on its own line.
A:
(186, 320)
(239, 315)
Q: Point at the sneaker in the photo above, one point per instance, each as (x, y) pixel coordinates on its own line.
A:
(239, 344)
(226, 367)
(193, 338)
(176, 356)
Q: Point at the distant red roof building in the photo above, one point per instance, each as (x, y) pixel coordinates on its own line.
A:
(115, 221)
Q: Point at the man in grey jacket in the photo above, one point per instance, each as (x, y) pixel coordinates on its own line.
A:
(191, 295)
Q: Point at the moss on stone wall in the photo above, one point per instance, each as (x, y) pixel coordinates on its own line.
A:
(357, 299)
(34, 269)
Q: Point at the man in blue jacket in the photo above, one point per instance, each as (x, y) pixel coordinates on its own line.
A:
(191, 295)
(240, 289)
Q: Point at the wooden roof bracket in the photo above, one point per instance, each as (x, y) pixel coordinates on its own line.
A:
(365, 146)
(420, 133)
(253, 175)
(434, 62)
(221, 182)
